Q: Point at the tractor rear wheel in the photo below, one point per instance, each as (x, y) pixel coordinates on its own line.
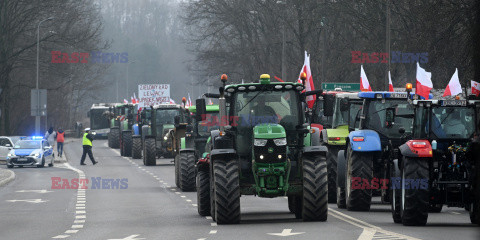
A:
(187, 171)
(137, 147)
(115, 137)
(332, 173)
(149, 152)
(415, 200)
(315, 188)
(341, 166)
(203, 193)
(227, 191)
(395, 192)
(176, 162)
(127, 143)
(359, 166)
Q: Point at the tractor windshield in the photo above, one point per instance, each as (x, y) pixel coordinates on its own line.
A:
(166, 116)
(98, 120)
(210, 123)
(376, 116)
(347, 113)
(453, 122)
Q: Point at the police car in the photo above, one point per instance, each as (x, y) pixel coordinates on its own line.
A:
(34, 151)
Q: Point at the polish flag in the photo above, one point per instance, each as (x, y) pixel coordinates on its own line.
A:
(172, 101)
(189, 101)
(135, 98)
(309, 81)
(476, 88)
(424, 82)
(125, 100)
(390, 84)
(210, 102)
(364, 84)
(453, 88)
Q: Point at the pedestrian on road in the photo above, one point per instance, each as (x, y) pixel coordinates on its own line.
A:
(87, 147)
(50, 136)
(60, 141)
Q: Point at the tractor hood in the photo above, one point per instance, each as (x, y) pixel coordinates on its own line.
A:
(269, 131)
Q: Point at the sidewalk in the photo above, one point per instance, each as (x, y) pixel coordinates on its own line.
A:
(6, 176)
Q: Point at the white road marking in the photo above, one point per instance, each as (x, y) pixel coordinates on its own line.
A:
(35, 191)
(201, 239)
(213, 224)
(28, 200)
(131, 237)
(80, 212)
(80, 208)
(77, 226)
(177, 192)
(183, 196)
(367, 234)
(455, 212)
(81, 216)
(208, 217)
(195, 205)
(212, 232)
(71, 231)
(155, 176)
(81, 201)
(79, 221)
(188, 200)
(80, 205)
(61, 236)
(286, 233)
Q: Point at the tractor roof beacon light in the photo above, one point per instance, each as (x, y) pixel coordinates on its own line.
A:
(184, 100)
(264, 79)
(408, 88)
(303, 77)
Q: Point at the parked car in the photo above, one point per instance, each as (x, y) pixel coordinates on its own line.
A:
(6, 145)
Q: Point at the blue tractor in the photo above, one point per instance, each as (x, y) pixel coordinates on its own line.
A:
(364, 168)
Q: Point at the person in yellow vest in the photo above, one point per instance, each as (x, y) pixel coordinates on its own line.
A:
(60, 141)
(87, 146)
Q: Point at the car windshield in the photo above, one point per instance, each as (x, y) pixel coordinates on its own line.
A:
(376, 114)
(453, 122)
(166, 116)
(98, 120)
(28, 144)
(210, 123)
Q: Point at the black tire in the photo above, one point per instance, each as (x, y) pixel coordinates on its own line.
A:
(315, 188)
(115, 136)
(291, 204)
(9, 166)
(136, 147)
(341, 166)
(149, 152)
(396, 194)
(227, 191)
(332, 173)
(297, 206)
(50, 164)
(203, 193)
(415, 202)
(435, 208)
(359, 165)
(127, 143)
(176, 162)
(109, 137)
(472, 210)
(187, 171)
(43, 164)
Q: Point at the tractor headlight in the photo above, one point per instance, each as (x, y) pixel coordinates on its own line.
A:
(280, 141)
(165, 138)
(260, 142)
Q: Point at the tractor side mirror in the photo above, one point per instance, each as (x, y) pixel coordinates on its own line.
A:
(201, 112)
(328, 105)
(389, 117)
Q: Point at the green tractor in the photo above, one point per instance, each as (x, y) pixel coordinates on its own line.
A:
(126, 123)
(115, 115)
(342, 108)
(265, 148)
(142, 119)
(156, 142)
(192, 147)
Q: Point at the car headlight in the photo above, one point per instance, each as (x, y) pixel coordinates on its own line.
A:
(280, 141)
(260, 142)
(37, 155)
(11, 155)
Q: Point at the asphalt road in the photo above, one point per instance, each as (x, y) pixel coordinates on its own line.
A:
(145, 204)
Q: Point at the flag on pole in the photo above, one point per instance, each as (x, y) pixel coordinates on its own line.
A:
(475, 88)
(390, 84)
(125, 100)
(453, 88)
(172, 101)
(189, 101)
(309, 81)
(210, 102)
(364, 84)
(424, 82)
(135, 98)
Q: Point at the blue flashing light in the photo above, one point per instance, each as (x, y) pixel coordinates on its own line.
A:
(388, 95)
(37, 137)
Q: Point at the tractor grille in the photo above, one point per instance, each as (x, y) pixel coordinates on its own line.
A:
(270, 156)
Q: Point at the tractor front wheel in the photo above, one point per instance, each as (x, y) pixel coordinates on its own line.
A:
(187, 171)
(396, 192)
(315, 188)
(137, 147)
(332, 155)
(227, 191)
(359, 169)
(127, 143)
(415, 200)
(114, 136)
(341, 166)
(149, 152)
(203, 193)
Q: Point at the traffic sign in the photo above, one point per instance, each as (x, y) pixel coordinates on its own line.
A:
(352, 87)
(38, 108)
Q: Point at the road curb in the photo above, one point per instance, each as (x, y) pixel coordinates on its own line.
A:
(8, 179)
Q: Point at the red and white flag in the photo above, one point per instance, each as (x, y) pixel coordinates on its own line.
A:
(476, 88)
(453, 88)
(424, 82)
(390, 84)
(125, 100)
(210, 102)
(309, 81)
(172, 101)
(135, 98)
(189, 101)
(364, 84)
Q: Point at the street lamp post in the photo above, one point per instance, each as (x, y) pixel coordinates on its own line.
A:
(37, 117)
(128, 64)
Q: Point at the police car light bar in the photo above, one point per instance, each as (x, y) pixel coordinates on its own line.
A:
(37, 137)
